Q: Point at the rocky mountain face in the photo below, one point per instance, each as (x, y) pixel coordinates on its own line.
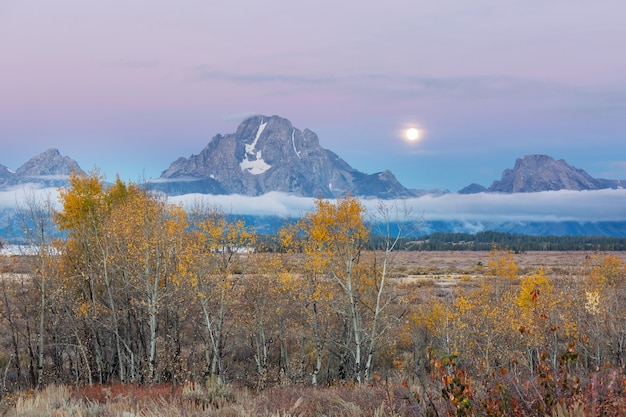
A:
(534, 173)
(48, 169)
(269, 154)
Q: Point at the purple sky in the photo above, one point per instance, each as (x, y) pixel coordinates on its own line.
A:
(129, 86)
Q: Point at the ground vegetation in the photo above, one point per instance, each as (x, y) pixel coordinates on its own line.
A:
(148, 308)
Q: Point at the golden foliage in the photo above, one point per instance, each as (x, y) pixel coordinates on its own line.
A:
(82, 200)
(535, 292)
(502, 264)
(610, 272)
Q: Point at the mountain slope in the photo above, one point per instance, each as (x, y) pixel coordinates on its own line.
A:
(6, 175)
(268, 154)
(48, 169)
(48, 163)
(535, 173)
(472, 189)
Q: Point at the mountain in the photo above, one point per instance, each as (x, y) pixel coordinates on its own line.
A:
(48, 169)
(473, 189)
(46, 164)
(535, 173)
(268, 154)
(6, 175)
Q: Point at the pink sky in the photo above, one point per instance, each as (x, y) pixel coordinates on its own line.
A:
(129, 86)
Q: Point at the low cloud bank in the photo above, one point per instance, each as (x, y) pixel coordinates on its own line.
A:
(270, 204)
(564, 205)
(19, 195)
(548, 206)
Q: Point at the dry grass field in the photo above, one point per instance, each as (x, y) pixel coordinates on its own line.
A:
(466, 262)
(439, 269)
(14, 264)
(449, 269)
(445, 388)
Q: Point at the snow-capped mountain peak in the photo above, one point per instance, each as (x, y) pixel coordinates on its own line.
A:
(273, 155)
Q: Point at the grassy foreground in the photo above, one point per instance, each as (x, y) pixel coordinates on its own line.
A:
(473, 342)
(215, 400)
(453, 395)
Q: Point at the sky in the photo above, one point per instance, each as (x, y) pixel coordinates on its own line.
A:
(130, 86)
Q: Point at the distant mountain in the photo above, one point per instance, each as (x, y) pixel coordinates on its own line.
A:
(48, 163)
(6, 175)
(473, 189)
(268, 154)
(535, 173)
(48, 169)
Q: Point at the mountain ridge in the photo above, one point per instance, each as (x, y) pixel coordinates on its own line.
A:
(269, 154)
(48, 169)
(258, 150)
(536, 173)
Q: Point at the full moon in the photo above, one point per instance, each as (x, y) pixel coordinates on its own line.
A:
(412, 134)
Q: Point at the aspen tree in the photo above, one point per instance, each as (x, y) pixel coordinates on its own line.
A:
(335, 236)
(149, 235)
(604, 295)
(270, 313)
(315, 289)
(215, 250)
(395, 222)
(36, 219)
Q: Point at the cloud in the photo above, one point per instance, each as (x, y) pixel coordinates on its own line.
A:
(270, 204)
(564, 205)
(204, 73)
(17, 196)
(454, 87)
(548, 206)
(500, 86)
(178, 179)
(48, 177)
(130, 64)
(238, 117)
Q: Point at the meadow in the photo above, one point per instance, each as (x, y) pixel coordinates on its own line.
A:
(464, 333)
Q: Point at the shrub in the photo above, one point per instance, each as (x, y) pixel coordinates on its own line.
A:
(214, 394)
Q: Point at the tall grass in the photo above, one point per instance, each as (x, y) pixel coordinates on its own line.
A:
(381, 399)
(211, 399)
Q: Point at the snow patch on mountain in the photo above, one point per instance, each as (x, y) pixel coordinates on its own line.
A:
(257, 165)
(293, 143)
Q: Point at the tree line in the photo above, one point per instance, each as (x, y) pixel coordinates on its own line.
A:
(484, 241)
(140, 290)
